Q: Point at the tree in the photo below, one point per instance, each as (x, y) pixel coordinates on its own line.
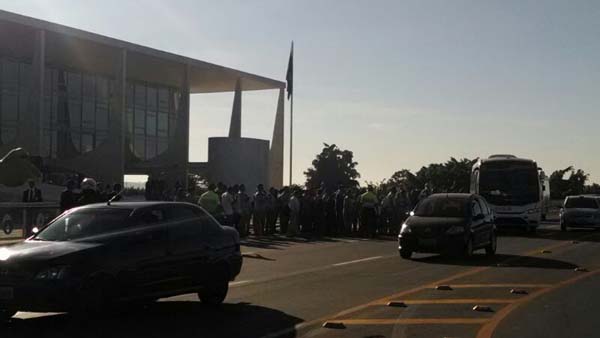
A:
(332, 167)
(451, 176)
(573, 185)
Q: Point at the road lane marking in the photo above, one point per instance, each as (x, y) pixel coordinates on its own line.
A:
(358, 261)
(241, 282)
(299, 326)
(507, 285)
(488, 329)
(413, 321)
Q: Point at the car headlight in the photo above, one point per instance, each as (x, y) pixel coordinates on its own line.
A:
(53, 273)
(454, 230)
(405, 229)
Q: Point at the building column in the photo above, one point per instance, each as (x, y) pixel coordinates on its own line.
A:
(120, 111)
(184, 158)
(276, 151)
(37, 93)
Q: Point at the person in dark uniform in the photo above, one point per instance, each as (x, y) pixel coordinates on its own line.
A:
(89, 195)
(68, 198)
(33, 194)
(339, 196)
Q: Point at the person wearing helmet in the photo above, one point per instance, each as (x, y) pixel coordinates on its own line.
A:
(89, 194)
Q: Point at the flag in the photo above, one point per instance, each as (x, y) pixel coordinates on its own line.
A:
(289, 77)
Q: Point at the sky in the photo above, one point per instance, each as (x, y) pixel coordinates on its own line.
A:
(400, 83)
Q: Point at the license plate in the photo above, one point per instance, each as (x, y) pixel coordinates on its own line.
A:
(6, 293)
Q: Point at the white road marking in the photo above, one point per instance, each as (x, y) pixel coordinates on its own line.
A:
(358, 260)
(241, 282)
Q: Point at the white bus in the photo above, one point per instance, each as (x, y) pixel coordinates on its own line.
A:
(513, 187)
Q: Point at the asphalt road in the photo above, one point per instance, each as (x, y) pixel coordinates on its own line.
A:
(290, 288)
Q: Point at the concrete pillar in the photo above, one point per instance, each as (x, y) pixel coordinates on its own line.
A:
(119, 113)
(36, 110)
(184, 159)
(235, 127)
(277, 143)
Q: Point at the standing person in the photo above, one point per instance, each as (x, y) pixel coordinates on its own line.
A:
(350, 212)
(388, 210)
(329, 201)
(260, 210)
(338, 199)
(284, 209)
(236, 210)
(210, 200)
(403, 205)
(244, 208)
(295, 207)
(273, 210)
(306, 212)
(32, 194)
(89, 194)
(319, 212)
(68, 198)
(368, 204)
(227, 206)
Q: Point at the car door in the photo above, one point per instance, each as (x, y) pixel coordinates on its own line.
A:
(188, 249)
(143, 252)
(478, 226)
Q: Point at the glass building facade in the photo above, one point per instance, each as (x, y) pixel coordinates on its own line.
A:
(77, 106)
(151, 118)
(15, 91)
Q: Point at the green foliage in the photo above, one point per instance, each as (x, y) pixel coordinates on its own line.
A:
(451, 176)
(332, 167)
(573, 185)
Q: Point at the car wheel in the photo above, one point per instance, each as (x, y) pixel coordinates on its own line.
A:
(490, 249)
(214, 294)
(468, 251)
(563, 226)
(6, 314)
(405, 253)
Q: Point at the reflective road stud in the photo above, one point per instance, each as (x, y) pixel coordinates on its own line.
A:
(334, 325)
(518, 291)
(396, 304)
(482, 308)
(581, 270)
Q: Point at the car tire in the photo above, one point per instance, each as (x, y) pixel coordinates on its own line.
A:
(490, 249)
(214, 294)
(405, 253)
(563, 226)
(468, 250)
(6, 315)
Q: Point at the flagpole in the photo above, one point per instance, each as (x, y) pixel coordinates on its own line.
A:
(291, 133)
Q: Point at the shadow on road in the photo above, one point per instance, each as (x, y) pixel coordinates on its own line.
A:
(282, 242)
(162, 319)
(500, 260)
(573, 234)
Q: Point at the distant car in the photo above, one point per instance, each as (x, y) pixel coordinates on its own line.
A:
(449, 223)
(99, 255)
(580, 211)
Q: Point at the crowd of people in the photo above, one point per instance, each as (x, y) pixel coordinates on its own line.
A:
(89, 192)
(326, 212)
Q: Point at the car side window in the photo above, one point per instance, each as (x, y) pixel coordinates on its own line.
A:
(151, 216)
(209, 224)
(180, 212)
(475, 208)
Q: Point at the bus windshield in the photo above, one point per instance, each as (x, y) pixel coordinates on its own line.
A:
(506, 183)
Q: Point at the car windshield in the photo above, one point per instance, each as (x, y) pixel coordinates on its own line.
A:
(442, 207)
(85, 223)
(581, 203)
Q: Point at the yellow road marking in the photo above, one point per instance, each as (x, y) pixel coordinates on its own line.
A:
(414, 321)
(460, 301)
(488, 329)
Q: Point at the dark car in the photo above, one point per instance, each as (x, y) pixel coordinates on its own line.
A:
(449, 223)
(580, 211)
(99, 255)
